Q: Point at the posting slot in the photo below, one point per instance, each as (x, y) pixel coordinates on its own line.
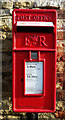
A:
(35, 26)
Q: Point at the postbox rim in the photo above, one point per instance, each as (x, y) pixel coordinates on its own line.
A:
(35, 10)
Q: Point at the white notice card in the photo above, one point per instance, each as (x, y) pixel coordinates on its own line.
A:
(33, 77)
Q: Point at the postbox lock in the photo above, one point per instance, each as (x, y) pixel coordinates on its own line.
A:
(21, 79)
(34, 55)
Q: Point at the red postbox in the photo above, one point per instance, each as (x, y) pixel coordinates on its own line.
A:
(34, 60)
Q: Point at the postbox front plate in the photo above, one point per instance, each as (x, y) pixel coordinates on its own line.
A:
(34, 60)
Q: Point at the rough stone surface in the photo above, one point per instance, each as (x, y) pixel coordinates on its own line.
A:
(60, 114)
(59, 95)
(50, 4)
(6, 23)
(7, 67)
(61, 35)
(60, 14)
(6, 46)
(6, 35)
(4, 12)
(6, 8)
(61, 50)
(7, 5)
(60, 23)
(39, 3)
(60, 67)
(59, 105)
(64, 95)
(61, 46)
(7, 27)
(59, 86)
(27, 4)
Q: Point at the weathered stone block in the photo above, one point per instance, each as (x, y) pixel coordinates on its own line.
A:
(60, 46)
(7, 83)
(10, 117)
(63, 94)
(60, 79)
(53, 4)
(61, 14)
(6, 46)
(4, 12)
(7, 23)
(59, 95)
(60, 66)
(8, 5)
(3, 35)
(59, 114)
(7, 67)
(45, 116)
(59, 86)
(0, 4)
(0, 106)
(6, 94)
(63, 5)
(5, 106)
(63, 57)
(9, 35)
(64, 105)
(60, 74)
(64, 85)
(6, 35)
(61, 24)
(18, 5)
(60, 56)
(22, 4)
(7, 27)
(61, 35)
(1, 24)
(6, 57)
(59, 105)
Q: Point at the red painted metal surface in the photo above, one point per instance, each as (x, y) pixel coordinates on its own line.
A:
(40, 38)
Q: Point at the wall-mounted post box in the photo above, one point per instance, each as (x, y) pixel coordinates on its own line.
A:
(34, 60)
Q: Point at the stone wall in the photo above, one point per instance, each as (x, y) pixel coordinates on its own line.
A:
(6, 8)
